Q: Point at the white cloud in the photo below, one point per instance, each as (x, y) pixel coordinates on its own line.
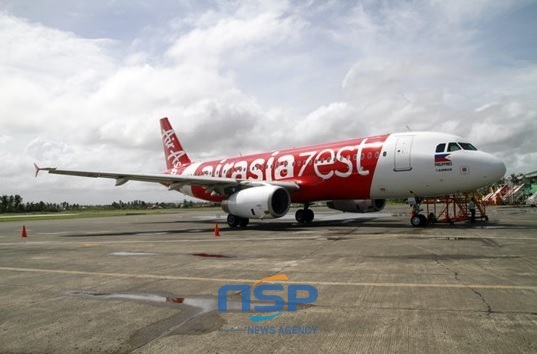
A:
(230, 39)
(240, 77)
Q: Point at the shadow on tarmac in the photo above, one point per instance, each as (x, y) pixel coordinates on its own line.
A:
(369, 223)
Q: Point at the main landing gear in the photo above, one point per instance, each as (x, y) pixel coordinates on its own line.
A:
(417, 219)
(304, 215)
(237, 221)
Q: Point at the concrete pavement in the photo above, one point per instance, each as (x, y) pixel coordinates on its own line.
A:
(149, 284)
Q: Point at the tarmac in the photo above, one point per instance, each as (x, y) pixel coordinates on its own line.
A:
(150, 284)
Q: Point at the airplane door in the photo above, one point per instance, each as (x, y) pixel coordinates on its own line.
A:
(402, 153)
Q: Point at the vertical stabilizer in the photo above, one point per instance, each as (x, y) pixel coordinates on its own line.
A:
(175, 155)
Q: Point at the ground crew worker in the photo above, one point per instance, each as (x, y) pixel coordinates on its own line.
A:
(471, 207)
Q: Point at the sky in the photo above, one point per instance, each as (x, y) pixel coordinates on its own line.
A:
(84, 83)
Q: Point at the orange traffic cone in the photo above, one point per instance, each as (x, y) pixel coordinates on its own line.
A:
(24, 234)
(216, 230)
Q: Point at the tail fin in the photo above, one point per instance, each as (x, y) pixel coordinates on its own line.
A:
(175, 155)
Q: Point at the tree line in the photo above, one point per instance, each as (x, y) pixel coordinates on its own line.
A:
(15, 204)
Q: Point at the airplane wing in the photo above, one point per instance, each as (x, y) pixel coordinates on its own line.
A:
(220, 185)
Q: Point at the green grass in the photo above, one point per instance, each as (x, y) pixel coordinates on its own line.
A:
(81, 214)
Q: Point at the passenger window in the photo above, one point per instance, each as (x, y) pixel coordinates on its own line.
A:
(440, 147)
(468, 146)
(453, 147)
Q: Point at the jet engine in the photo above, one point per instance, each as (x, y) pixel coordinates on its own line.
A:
(265, 202)
(357, 205)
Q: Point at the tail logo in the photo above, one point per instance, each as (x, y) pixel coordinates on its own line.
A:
(170, 143)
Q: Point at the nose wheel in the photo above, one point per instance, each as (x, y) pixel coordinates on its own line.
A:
(417, 219)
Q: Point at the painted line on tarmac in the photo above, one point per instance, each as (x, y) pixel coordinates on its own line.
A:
(208, 239)
(228, 280)
(234, 238)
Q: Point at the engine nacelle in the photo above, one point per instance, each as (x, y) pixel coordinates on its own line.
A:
(265, 202)
(357, 205)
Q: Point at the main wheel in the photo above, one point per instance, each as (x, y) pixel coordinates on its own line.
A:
(243, 222)
(300, 216)
(233, 220)
(309, 215)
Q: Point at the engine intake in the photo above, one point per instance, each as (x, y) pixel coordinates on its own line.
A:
(357, 205)
(267, 202)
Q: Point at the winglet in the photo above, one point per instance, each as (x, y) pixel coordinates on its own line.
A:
(37, 169)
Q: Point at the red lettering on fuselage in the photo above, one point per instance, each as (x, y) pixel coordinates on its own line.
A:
(341, 170)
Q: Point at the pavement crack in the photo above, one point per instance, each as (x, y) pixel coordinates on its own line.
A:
(456, 277)
(489, 308)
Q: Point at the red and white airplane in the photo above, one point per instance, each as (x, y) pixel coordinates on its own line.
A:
(356, 175)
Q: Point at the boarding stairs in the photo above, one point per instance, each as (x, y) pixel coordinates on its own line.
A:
(454, 208)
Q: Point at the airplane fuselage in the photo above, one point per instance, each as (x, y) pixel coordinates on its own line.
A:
(385, 166)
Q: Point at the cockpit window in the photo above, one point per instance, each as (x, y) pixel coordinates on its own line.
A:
(440, 147)
(468, 146)
(453, 147)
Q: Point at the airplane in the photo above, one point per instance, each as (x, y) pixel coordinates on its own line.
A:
(356, 175)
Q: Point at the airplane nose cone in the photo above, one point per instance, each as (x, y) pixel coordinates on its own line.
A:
(494, 169)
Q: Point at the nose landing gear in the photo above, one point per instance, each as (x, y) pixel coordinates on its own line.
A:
(417, 219)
